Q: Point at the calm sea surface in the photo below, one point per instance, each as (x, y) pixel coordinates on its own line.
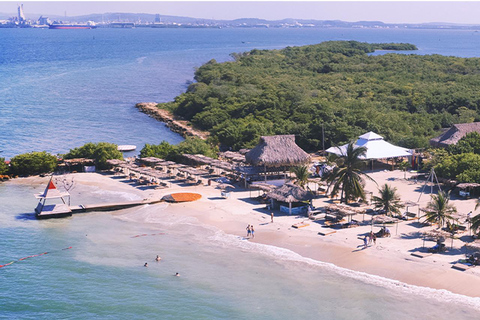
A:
(62, 88)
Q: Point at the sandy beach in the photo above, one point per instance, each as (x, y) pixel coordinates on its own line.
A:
(390, 258)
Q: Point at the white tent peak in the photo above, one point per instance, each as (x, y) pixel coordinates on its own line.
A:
(369, 136)
(377, 148)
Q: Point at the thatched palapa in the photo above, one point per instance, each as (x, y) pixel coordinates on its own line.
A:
(454, 134)
(277, 151)
(290, 193)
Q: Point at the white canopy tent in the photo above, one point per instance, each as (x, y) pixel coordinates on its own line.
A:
(377, 148)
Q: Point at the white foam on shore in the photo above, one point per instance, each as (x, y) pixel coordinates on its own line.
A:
(441, 295)
(150, 214)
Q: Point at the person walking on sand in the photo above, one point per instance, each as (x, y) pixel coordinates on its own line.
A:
(370, 237)
(365, 242)
(249, 232)
(374, 237)
(252, 231)
(271, 215)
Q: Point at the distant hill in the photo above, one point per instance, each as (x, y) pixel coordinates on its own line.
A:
(242, 22)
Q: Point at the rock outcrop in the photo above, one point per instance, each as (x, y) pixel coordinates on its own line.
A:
(180, 126)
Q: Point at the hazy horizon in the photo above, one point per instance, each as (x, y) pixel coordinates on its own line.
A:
(388, 12)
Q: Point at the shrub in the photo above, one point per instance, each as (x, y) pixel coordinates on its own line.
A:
(33, 163)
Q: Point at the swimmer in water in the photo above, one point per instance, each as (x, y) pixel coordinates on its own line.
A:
(158, 258)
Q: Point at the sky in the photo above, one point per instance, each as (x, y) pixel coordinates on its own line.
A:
(385, 11)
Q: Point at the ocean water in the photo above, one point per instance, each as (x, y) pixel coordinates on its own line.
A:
(62, 88)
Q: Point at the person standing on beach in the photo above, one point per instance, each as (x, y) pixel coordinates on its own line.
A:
(365, 242)
(271, 215)
(252, 231)
(249, 232)
(374, 237)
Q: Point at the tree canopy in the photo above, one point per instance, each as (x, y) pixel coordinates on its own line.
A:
(100, 152)
(168, 151)
(406, 98)
(33, 163)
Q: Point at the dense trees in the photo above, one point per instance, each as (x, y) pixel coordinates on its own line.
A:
(167, 151)
(3, 167)
(337, 84)
(100, 152)
(33, 163)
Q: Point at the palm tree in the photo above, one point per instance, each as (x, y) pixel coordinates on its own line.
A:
(475, 221)
(389, 200)
(439, 210)
(348, 175)
(301, 175)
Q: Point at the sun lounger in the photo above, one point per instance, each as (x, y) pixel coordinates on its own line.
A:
(326, 233)
(300, 225)
(411, 216)
(421, 254)
(461, 266)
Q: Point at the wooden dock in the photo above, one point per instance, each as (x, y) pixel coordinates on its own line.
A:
(112, 206)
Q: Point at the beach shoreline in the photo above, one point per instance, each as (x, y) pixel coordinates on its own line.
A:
(390, 258)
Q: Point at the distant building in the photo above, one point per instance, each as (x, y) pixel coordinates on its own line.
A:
(157, 18)
(454, 134)
(43, 20)
(21, 15)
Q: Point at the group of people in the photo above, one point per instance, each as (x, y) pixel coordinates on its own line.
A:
(250, 231)
(157, 259)
(369, 238)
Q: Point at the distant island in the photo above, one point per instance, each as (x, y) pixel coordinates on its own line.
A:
(337, 87)
(147, 20)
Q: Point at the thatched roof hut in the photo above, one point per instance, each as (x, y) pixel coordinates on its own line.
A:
(290, 193)
(454, 134)
(277, 151)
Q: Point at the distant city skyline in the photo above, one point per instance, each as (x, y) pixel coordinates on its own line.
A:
(385, 11)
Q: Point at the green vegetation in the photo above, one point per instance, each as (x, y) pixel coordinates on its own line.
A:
(460, 162)
(337, 84)
(99, 152)
(389, 200)
(169, 151)
(348, 175)
(3, 167)
(33, 163)
(439, 210)
(301, 175)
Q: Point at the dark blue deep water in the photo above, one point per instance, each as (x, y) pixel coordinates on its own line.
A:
(62, 88)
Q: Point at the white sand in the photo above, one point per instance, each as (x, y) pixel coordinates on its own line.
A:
(390, 258)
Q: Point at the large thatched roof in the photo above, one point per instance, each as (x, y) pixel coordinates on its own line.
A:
(290, 193)
(278, 150)
(454, 134)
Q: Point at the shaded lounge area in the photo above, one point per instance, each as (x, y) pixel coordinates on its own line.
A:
(273, 157)
(290, 199)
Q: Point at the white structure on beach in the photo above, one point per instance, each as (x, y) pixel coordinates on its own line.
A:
(377, 148)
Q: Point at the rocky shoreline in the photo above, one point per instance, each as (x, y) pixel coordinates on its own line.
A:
(177, 125)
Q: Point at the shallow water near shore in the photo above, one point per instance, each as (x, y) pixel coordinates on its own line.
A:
(222, 276)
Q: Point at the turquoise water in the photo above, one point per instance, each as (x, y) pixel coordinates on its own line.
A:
(222, 276)
(61, 88)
